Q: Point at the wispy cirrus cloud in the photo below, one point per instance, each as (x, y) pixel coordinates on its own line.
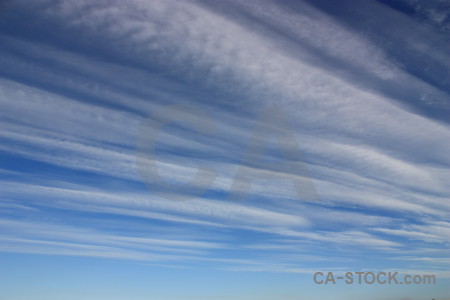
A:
(379, 163)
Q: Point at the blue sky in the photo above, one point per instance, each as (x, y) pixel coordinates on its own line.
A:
(363, 85)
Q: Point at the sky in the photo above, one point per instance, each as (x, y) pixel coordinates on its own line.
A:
(172, 150)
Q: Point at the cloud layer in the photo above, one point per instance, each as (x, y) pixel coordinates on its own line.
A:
(368, 122)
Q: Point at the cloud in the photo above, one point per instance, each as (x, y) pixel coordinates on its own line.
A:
(377, 163)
